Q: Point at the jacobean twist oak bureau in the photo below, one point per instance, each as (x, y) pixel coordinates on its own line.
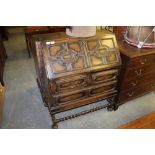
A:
(137, 76)
(73, 72)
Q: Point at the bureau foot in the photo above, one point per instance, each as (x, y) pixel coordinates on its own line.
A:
(112, 107)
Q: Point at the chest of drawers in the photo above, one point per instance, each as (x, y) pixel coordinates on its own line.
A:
(74, 72)
(137, 75)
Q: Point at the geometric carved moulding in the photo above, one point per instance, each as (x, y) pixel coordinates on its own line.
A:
(81, 54)
(101, 53)
(67, 57)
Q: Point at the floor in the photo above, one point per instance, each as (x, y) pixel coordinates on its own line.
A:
(23, 106)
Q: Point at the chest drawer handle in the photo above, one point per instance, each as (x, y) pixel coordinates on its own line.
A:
(130, 94)
(143, 62)
(138, 73)
(134, 83)
(152, 85)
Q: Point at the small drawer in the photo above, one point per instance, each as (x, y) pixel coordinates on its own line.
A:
(104, 76)
(71, 97)
(111, 86)
(71, 83)
(142, 61)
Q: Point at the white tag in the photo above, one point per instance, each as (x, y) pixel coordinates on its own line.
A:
(50, 42)
(140, 44)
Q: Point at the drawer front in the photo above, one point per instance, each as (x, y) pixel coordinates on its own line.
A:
(139, 72)
(138, 81)
(133, 93)
(141, 61)
(71, 83)
(63, 99)
(104, 76)
(103, 89)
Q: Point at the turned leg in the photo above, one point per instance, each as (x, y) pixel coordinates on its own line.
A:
(113, 105)
(54, 122)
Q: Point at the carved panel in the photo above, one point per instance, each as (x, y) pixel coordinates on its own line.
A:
(102, 52)
(67, 57)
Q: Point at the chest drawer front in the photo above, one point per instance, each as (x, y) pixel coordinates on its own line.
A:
(138, 81)
(139, 72)
(142, 61)
(70, 83)
(132, 93)
(104, 76)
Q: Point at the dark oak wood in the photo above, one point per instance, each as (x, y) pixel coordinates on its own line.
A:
(4, 32)
(119, 31)
(137, 75)
(3, 57)
(73, 72)
(145, 122)
(32, 30)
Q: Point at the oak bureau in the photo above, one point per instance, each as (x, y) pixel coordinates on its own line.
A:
(73, 72)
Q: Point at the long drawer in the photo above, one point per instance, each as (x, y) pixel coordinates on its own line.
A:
(80, 81)
(141, 61)
(138, 81)
(135, 92)
(139, 72)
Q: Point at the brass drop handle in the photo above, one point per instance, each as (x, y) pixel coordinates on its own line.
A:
(134, 83)
(142, 62)
(130, 94)
(138, 73)
(152, 85)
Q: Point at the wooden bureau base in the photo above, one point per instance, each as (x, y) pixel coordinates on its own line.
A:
(145, 122)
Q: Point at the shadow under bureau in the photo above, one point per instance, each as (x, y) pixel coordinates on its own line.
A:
(73, 72)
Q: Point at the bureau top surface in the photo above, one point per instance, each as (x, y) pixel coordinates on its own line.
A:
(132, 51)
(64, 55)
(58, 36)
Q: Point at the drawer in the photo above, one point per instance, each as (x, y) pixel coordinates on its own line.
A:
(64, 99)
(71, 83)
(104, 76)
(133, 93)
(138, 81)
(141, 61)
(139, 72)
(103, 88)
